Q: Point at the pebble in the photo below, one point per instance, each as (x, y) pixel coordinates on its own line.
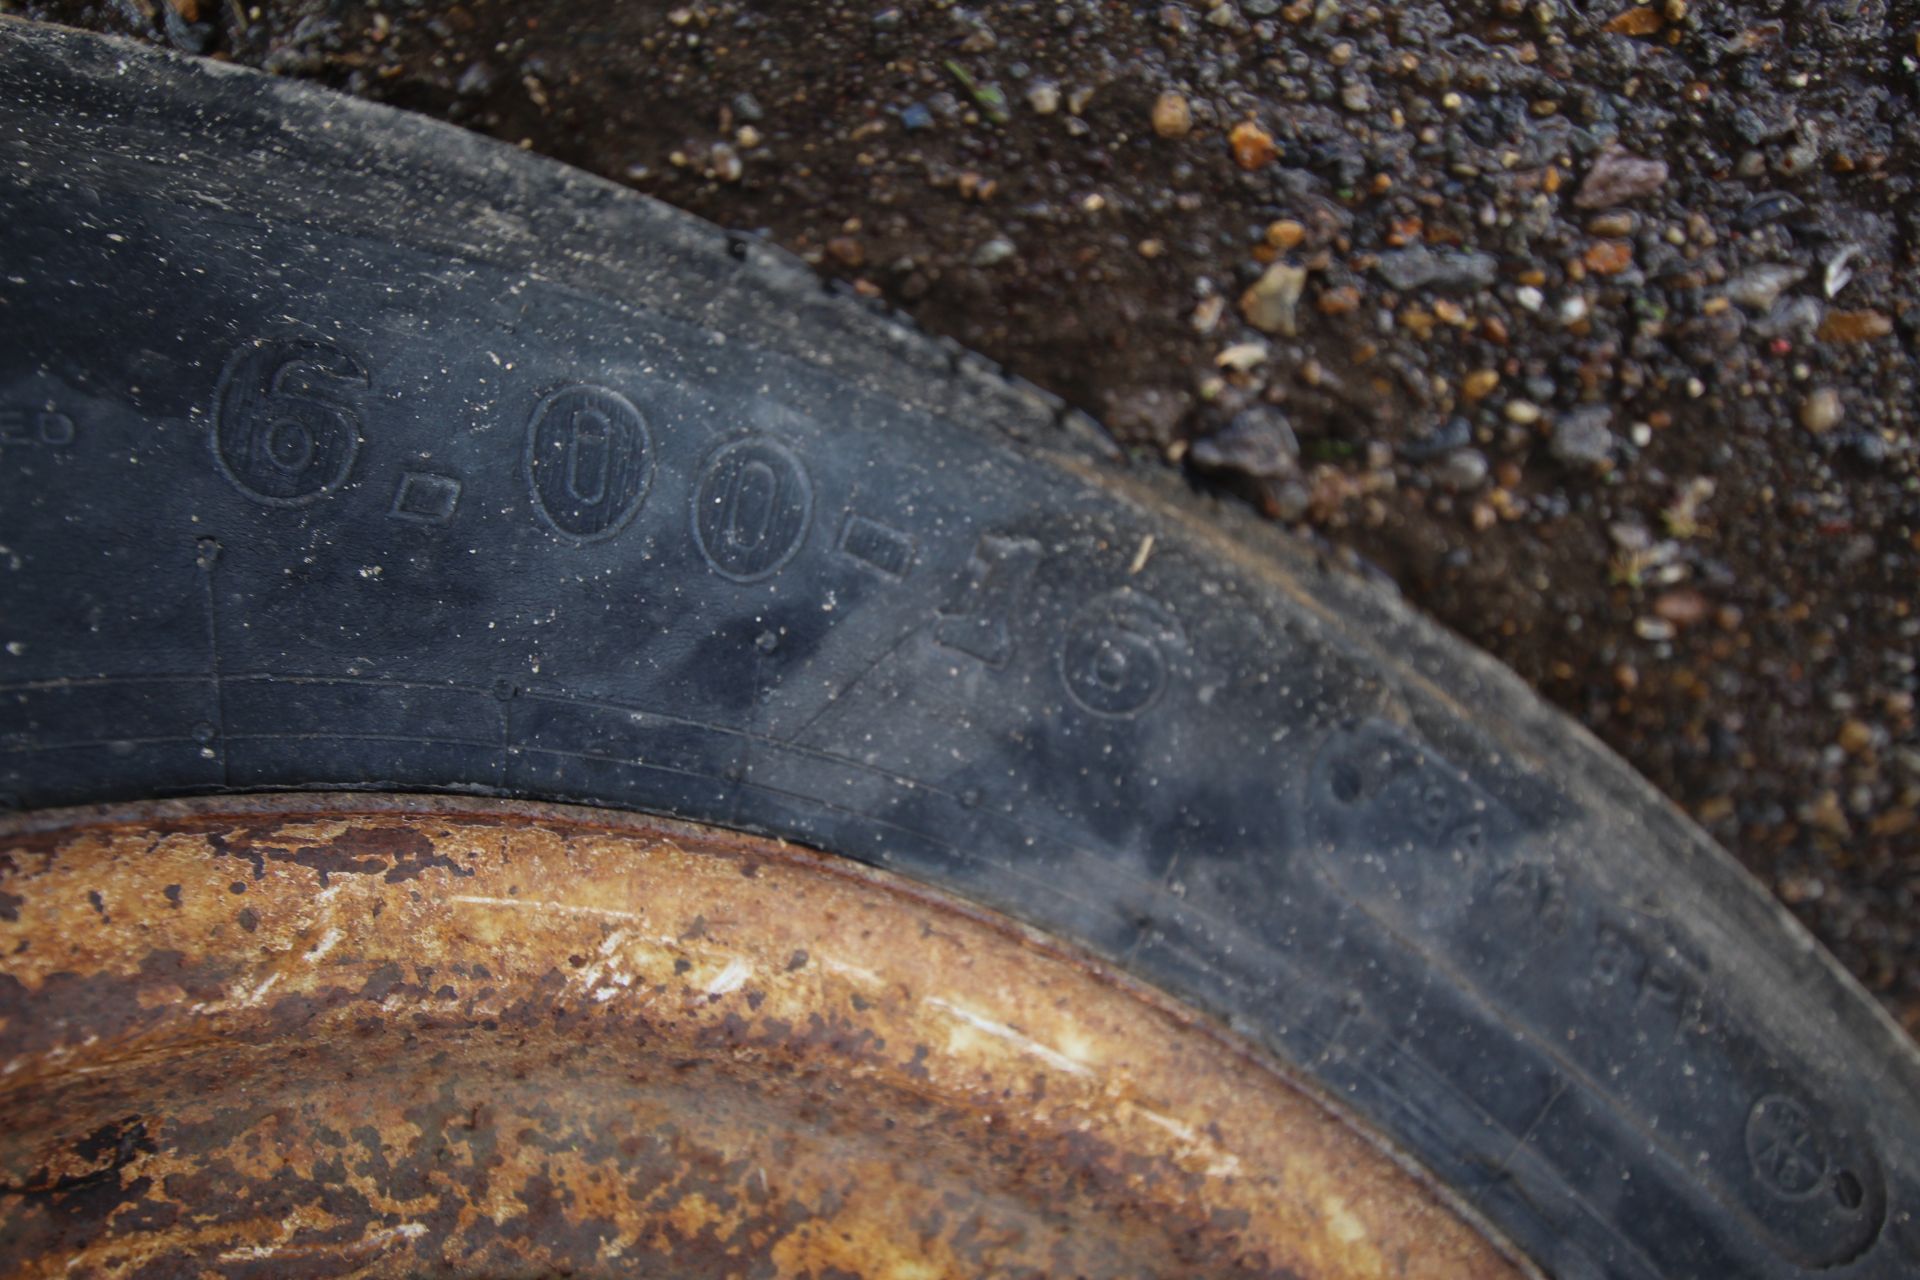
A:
(1289, 501)
(1206, 313)
(1172, 117)
(1269, 304)
(993, 252)
(915, 117)
(1147, 413)
(1257, 442)
(1044, 97)
(1421, 267)
(1856, 737)
(1608, 257)
(1252, 146)
(1682, 606)
(1242, 356)
(726, 162)
(476, 81)
(1450, 435)
(1461, 470)
(1285, 233)
(1854, 326)
(1618, 176)
(1522, 412)
(1821, 411)
(1583, 438)
(1757, 288)
(1479, 384)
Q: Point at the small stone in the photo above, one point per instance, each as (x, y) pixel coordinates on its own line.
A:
(1618, 176)
(1583, 438)
(1640, 20)
(1461, 470)
(1044, 97)
(1654, 629)
(1420, 267)
(1608, 257)
(1856, 737)
(1821, 411)
(1288, 500)
(1285, 234)
(1252, 146)
(1355, 98)
(1793, 317)
(1854, 326)
(1529, 297)
(1257, 442)
(1172, 117)
(993, 252)
(1269, 304)
(726, 162)
(1479, 384)
(1443, 439)
(1838, 274)
(916, 117)
(1683, 606)
(1146, 413)
(1339, 301)
(1522, 412)
(1206, 313)
(1757, 288)
(475, 81)
(1824, 813)
(1241, 356)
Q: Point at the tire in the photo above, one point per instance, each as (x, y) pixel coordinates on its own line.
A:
(340, 449)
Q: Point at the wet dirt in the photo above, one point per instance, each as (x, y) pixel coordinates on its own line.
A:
(1592, 325)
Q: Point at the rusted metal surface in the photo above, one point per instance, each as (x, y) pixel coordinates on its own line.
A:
(323, 1036)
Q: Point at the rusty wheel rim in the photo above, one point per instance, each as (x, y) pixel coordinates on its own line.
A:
(331, 1035)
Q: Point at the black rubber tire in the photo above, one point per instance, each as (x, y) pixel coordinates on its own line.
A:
(343, 449)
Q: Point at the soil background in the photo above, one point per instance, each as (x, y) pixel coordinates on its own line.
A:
(1591, 325)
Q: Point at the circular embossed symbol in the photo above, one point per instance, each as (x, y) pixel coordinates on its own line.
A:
(1113, 658)
(286, 425)
(589, 462)
(752, 509)
(1789, 1153)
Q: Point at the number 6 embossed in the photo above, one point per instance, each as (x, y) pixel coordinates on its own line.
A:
(285, 425)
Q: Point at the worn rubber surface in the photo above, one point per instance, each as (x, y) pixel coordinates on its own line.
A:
(338, 448)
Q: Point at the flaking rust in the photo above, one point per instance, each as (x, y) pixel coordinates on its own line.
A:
(318, 1036)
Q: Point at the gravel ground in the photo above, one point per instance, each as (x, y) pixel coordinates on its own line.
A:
(1591, 325)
